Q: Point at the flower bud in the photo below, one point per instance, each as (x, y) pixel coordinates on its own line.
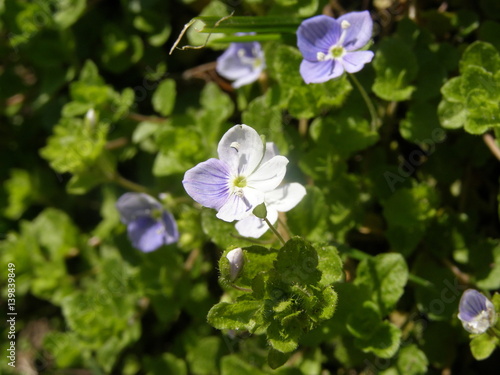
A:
(260, 211)
(235, 258)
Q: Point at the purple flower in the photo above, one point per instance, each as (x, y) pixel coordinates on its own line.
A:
(241, 63)
(281, 199)
(149, 225)
(476, 312)
(236, 182)
(329, 46)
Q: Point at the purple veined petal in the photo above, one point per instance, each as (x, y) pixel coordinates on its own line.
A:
(269, 174)
(321, 71)
(360, 30)
(355, 61)
(476, 312)
(230, 66)
(271, 151)
(471, 305)
(235, 208)
(171, 233)
(241, 148)
(317, 34)
(285, 197)
(208, 183)
(134, 205)
(146, 233)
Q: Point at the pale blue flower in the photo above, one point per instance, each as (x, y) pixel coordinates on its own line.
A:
(476, 312)
(149, 225)
(242, 63)
(281, 199)
(330, 46)
(236, 182)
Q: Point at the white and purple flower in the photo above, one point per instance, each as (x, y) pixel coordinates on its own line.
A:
(282, 199)
(149, 225)
(476, 312)
(238, 181)
(242, 63)
(330, 46)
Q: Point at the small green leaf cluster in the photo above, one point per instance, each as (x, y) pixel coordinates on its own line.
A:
(471, 100)
(289, 294)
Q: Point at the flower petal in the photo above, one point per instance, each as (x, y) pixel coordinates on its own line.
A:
(241, 62)
(355, 61)
(269, 175)
(321, 71)
(229, 64)
(254, 227)
(208, 183)
(241, 148)
(471, 305)
(271, 151)
(235, 208)
(317, 34)
(248, 78)
(146, 233)
(171, 233)
(360, 30)
(133, 205)
(286, 197)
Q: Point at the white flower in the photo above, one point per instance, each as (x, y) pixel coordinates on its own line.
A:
(282, 199)
(236, 182)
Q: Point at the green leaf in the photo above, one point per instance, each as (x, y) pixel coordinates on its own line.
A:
(221, 232)
(384, 342)
(408, 213)
(385, 276)
(235, 364)
(480, 54)
(266, 120)
(308, 218)
(276, 358)
(203, 358)
(329, 263)
(452, 115)
(411, 361)
(19, 188)
(238, 315)
(349, 133)
(420, 122)
(74, 147)
(297, 262)
(166, 364)
(396, 67)
(164, 97)
(483, 345)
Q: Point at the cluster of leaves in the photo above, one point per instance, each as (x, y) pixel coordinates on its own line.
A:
(401, 212)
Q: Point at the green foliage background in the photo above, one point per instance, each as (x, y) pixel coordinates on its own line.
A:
(401, 213)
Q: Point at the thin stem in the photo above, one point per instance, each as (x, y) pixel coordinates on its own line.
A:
(366, 98)
(140, 118)
(492, 145)
(129, 184)
(303, 126)
(493, 332)
(274, 231)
